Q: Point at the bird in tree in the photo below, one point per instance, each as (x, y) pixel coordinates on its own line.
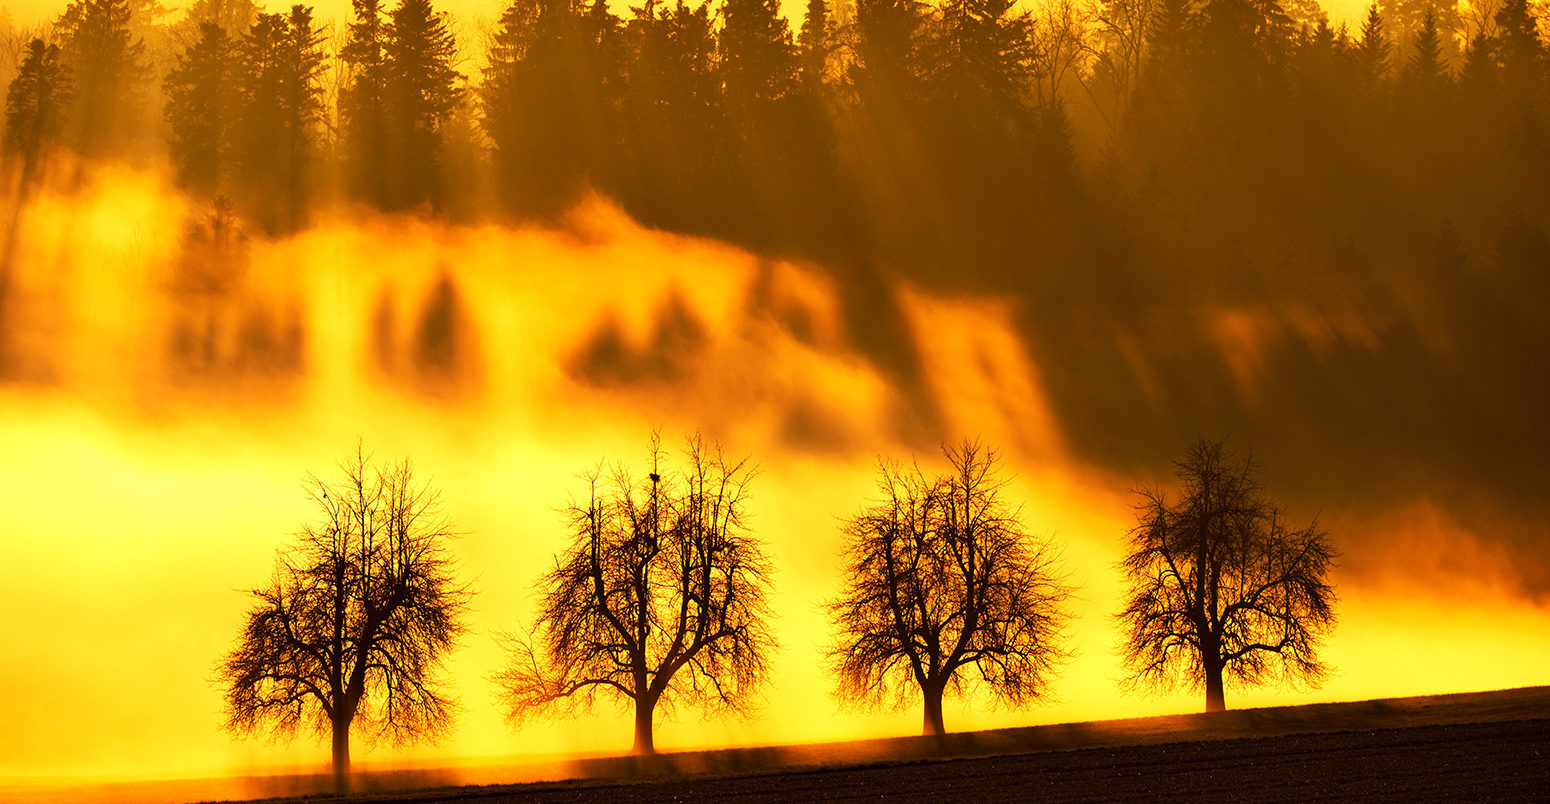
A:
(36, 103)
(1220, 586)
(658, 601)
(945, 590)
(352, 630)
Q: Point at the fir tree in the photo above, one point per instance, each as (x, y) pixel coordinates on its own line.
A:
(37, 102)
(886, 43)
(107, 64)
(1426, 73)
(758, 58)
(547, 99)
(281, 104)
(1372, 49)
(815, 46)
(200, 91)
(421, 91)
(1522, 54)
(362, 102)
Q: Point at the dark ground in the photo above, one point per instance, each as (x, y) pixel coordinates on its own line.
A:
(1482, 746)
(1486, 746)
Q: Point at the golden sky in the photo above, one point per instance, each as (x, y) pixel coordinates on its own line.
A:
(473, 13)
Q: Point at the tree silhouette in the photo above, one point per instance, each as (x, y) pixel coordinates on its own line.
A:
(280, 105)
(758, 59)
(1372, 49)
(671, 107)
(659, 600)
(200, 92)
(231, 16)
(1220, 587)
(421, 91)
(816, 45)
(1523, 55)
(36, 103)
(886, 69)
(1426, 73)
(549, 98)
(945, 589)
(361, 612)
(363, 103)
(107, 63)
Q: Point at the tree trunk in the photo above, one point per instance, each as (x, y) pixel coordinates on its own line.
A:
(342, 756)
(933, 720)
(1216, 701)
(643, 742)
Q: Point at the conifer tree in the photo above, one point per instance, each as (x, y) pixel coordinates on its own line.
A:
(281, 105)
(983, 50)
(362, 102)
(421, 91)
(200, 92)
(107, 64)
(37, 102)
(1521, 52)
(1426, 73)
(547, 99)
(815, 46)
(758, 58)
(887, 68)
(1372, 49)
(671, 110)
(233, 17)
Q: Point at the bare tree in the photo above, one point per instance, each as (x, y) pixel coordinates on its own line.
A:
(943, 580)
(658, 600)
(1220, 587)
(353, 628)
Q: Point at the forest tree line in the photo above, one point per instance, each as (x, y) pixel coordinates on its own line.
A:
(1372, 196)
(843, 133)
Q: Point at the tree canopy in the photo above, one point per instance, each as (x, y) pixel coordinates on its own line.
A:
(659, 600)
(946, 590)
(1221, 587)
(352, 631)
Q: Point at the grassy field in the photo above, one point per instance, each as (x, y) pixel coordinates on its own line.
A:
(1488, 745)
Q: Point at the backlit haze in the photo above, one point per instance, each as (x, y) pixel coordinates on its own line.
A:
(141, 495)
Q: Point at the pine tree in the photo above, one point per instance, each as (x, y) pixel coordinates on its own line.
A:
(233, 16)
(548, 99)
(815, 46)
(420, 92)
(671, 109)
(887, 69)
(1372, 49)
(1522, 54)
(758, 58)
(281, 105)
(362, 102)
(982, 51)
(107, 64)
(37, 102)
(1426, 73)
(200, 92)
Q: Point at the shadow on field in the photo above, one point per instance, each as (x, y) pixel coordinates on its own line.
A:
(1427, 731)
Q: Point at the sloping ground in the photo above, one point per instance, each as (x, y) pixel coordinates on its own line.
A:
(1479, 741)
(1504, 761)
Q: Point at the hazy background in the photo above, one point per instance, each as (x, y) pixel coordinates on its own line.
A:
(140, 500)
(1252, 234)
